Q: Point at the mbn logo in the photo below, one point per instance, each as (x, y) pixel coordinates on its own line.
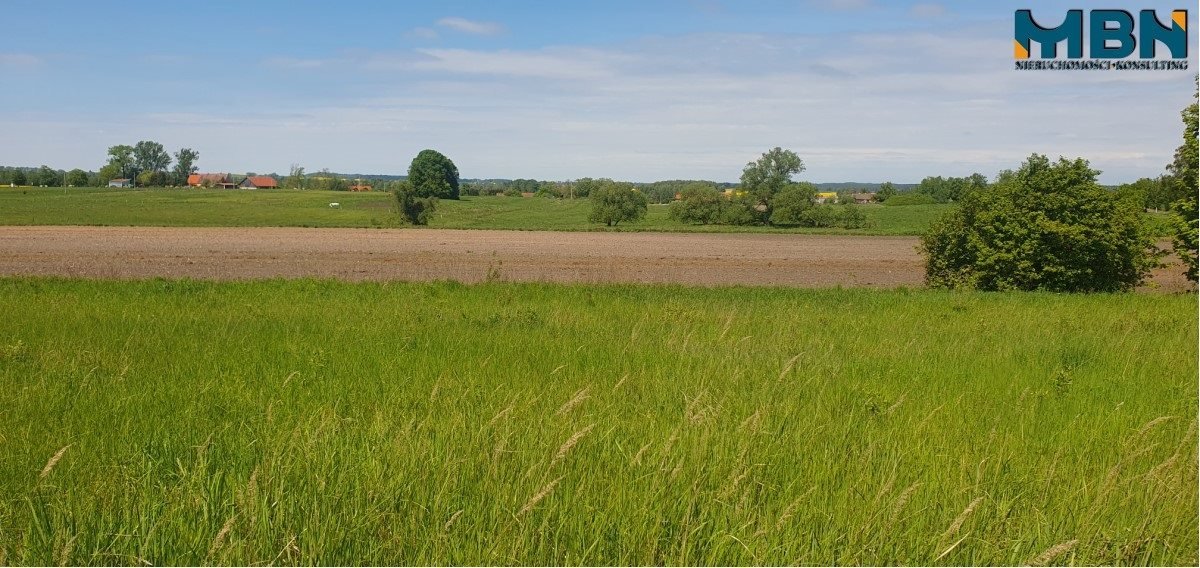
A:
(1110, 35)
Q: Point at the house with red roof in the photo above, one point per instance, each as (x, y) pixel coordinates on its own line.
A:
(259, 182)
(210, 180)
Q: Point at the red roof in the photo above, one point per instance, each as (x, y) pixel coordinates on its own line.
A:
(263, 181)
(198, 179)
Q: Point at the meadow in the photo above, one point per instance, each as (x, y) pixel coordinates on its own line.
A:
(319, 422)
(294, 208)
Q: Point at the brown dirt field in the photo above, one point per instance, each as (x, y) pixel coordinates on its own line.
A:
(471, 256)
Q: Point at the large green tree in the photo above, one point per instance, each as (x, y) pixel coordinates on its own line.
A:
(767, 176)
(150, 156)
(77, 178)
(46, 176)
(614, 202)
(886, 191)
(1046, 226)
(185, 165)
(120, 164)
(699, 203)
(433, 175)
(1183, 177)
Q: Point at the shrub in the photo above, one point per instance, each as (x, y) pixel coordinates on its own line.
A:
(415, 210)
(851, 217)
(819, 216)
(698, 203)
(1047, 226)
(615, 202)
(791, 203)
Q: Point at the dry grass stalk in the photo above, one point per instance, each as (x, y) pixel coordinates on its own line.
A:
(962, 518)
(637, 458)
(1151, 424)
(896, 405)
(64, 554)
(570, 443)
(1053, 552)
(220, 538)
(670, 442)
(557, 369)
(53, 461)
(949, 549)
(500, 415)
(533, 501)
(620, 382)
(790, 510)
(453, 518)
(791, 363)
(902, 500)
(725, 328)
(752, 422)
(579, 397)
(734, 483)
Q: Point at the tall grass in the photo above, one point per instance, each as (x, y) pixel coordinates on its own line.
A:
(305, 422)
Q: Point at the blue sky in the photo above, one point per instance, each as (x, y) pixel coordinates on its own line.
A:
(862, 90)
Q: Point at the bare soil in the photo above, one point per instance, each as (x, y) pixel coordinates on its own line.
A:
(472, 256)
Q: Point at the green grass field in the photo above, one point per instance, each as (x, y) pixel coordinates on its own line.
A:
(290, 208)
(315, 422)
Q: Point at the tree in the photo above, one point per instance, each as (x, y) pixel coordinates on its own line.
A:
(185, 165)
(416, 210)
(120, 157)
(149, 156)
(295, 178)
(791, 204)
(698, 203)
(583, 187)
(18, 177)
(1183, 177)
(1047, 226)
(615, 202)
(886, 191)
(433, 175)
(46, 176)
(77, 178)
(765, 177)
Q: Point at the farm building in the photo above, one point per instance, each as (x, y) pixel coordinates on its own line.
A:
(826, 197)
(211, 180)
(121, 182)
(861, 198)
(259, 182)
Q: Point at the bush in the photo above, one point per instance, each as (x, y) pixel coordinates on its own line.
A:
(1047, 226)
(615, 202)
(790, 205)
(900, 199)
(698, 204)
(851, 217)
(819, 216)
(415, 210)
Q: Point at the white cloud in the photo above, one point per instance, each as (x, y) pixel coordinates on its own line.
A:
(422, 33)
(471, 26)
(927, 10)
(19, 60)
(295, 63)
(841, 4)
(546, 64)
